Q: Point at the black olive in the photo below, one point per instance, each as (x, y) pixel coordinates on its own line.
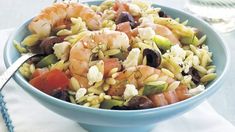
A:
(162, 50)
(126, 17)
(48, 43)
(120, 108)
(139, 102)
(162, 14)
(195, 75)
(36, 49)
(134, 25)
(153, 57)
(61, 94)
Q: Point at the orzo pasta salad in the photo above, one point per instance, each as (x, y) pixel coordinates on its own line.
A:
(117, 55)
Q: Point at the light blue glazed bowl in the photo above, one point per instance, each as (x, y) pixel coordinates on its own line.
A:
(99, 120)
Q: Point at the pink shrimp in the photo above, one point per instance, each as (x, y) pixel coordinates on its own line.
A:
(81, 52)
(162, 31)
(59, 14)
(136, 76)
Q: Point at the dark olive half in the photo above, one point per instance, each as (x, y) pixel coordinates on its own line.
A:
(195, 75)
(153, 57)
(48, 43)
(139, 102)
(162, 14)
(126, 17)
(61, 94)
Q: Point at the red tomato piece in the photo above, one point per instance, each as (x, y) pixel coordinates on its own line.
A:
(50, 81)
(126, 28)
(117, 90)
(109, 64)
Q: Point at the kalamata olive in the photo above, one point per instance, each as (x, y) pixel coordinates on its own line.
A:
(126, 17)
(153, 57)
(120, 108)
(139, 102)
(195, 75)
(61, 94)
(36, 49)
(162, 14)
(48, 43)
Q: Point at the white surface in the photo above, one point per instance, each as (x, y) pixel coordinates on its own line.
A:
(14, 12)
(29, 116)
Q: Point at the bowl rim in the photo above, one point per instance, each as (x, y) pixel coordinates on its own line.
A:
(29, 88)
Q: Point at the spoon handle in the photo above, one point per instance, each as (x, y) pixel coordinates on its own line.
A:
(4, 78)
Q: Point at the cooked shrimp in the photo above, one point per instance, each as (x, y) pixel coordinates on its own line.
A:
(60, 13)
(166, 32)
(81, 52)
(159, 29)
(136, 76)
(170, 97)
(163, 31)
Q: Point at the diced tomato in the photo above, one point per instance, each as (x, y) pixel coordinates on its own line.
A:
(50, 81)
(182, 92)
(158, 100)
(117, 90)
(38, 72)
(126, 28)
(109, 64)
(171, 97)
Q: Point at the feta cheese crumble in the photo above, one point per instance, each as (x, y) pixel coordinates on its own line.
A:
(61, 50)
(120, 42)
(80, 93)
(177, 51)
(132, 58)
(197, 90)
(130, 91)
(146, 33)
(94, 75)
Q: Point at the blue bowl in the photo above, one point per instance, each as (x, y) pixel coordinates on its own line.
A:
(101, 120)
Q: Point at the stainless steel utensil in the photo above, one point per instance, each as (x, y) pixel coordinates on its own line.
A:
(4, 78)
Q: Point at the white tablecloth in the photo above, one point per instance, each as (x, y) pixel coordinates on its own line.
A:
(29, 116)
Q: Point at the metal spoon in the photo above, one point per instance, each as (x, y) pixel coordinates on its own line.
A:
(4, 78)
